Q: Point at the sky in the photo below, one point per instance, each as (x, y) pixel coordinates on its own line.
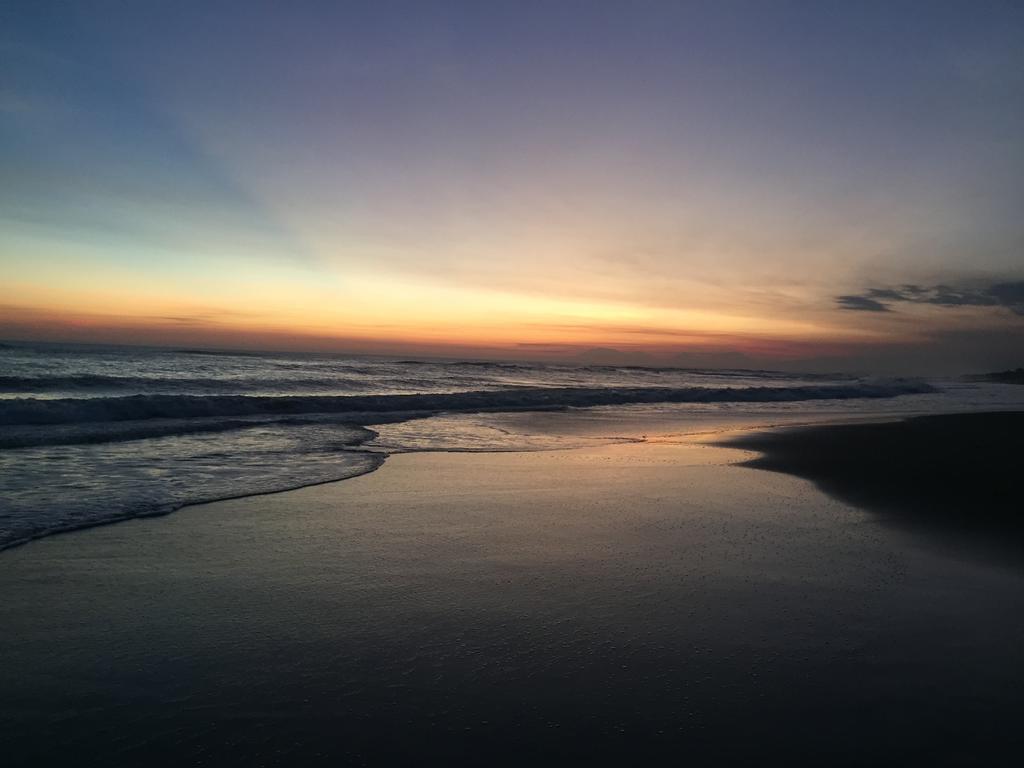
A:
(808, 185)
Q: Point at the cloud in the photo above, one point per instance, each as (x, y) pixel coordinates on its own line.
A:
(1008, 295)
(860, 303)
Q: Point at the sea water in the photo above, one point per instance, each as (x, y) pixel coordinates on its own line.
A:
(96, 434)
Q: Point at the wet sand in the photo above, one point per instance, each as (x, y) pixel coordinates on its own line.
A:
(629, 602)
(954, 477)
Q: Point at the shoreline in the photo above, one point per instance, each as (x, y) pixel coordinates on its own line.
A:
(790, 448)
(365, 447)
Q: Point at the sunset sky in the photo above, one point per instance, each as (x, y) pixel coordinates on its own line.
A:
(798, 184)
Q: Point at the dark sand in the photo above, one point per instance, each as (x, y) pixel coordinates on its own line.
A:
(628, 604)
(957, 476)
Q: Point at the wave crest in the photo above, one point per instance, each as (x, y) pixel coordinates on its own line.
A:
(32, 411)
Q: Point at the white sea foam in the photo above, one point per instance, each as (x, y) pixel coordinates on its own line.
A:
(56, 488)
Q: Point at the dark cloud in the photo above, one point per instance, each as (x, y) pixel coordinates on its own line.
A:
(861, 303)
(945, 296)
(1004, 295)
(891, 294)
(1009, 295)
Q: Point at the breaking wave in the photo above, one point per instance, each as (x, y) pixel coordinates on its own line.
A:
(32, 411)
(104, 383)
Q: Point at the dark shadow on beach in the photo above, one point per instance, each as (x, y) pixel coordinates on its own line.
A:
(956, 477)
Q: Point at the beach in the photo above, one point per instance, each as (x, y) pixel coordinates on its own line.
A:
(511, 384)
(634, 601)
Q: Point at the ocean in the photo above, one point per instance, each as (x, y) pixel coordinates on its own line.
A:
(96, 434)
